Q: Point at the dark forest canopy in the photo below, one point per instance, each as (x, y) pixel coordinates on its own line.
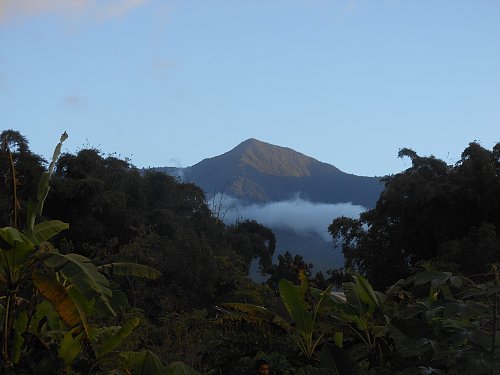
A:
(117, 212)
(432, 211)
(447, 214)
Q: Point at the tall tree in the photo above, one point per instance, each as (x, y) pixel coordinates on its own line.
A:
(15, 150)
(425, 212)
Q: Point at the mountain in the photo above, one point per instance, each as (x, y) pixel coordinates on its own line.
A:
(259, 172)
(291, 193)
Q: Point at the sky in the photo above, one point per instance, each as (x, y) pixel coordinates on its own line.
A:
(169, 83)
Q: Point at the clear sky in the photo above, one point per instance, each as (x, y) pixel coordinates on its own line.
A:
(348, 82)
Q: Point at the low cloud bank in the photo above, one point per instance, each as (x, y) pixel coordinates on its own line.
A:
(299, 215)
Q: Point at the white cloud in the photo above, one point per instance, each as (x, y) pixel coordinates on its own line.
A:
(98, 9)
(299, 215)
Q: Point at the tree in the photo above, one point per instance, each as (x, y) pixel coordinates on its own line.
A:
(50, 303)
(251, 240)
(15, 150)
(288, 268)
(422, 212)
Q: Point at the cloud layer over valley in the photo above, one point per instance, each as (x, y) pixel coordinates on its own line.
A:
(299, 215)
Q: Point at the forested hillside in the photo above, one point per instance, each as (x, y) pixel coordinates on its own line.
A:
(105, 269)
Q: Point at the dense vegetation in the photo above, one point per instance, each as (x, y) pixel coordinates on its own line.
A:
(146, 275)
(449, 214)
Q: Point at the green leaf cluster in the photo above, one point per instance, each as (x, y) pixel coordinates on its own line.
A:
(50, 303)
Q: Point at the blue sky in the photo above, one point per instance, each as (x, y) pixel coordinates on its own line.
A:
(172, 82)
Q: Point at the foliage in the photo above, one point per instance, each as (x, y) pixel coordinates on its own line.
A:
(306, 321)
(121, 214)
(62, 314)
(430, 323)
(431, 211)
(15, 150)
(50, 301)
(452, 328)
(252, 240)
(288, 267)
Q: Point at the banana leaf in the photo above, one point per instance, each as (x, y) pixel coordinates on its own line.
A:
(296, 306)
(83, 275)
(114, 339)
(130, 269)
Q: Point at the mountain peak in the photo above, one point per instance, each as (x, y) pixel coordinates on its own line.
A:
(256, 171)
(273, 160)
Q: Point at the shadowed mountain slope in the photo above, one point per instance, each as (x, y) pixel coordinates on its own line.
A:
(259, 172)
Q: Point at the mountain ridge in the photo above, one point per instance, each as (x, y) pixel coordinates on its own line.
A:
(258, 172)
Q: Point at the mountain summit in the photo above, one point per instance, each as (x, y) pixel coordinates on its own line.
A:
(259, 172)
(275, 160)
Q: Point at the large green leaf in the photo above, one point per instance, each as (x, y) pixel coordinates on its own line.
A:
(296, 306)
(337, 359)
(46, 319)
(20, 326)
(354, 306)
(46, 230)
(14, 238)
(114, 339)
(366, 293)
(261, 314)
(425, 277)
(119, 298)
(71, 313)
(130, 269)
(324, 299)
(360, 296)
(408, 346)
(35, 207)
(83, 275)
(179, 368)
(15, 246)
(15, 250)
(143, 363)
(71, 346)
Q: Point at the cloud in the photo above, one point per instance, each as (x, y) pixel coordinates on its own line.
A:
(299, 215)
(179, 171)
(73, 101)
(97, 9)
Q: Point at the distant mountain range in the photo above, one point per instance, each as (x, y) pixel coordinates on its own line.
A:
(259, 172)
(293, 194)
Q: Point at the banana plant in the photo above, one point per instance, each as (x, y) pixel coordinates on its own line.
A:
(47, 297)
(306, 309)
(362, 311)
